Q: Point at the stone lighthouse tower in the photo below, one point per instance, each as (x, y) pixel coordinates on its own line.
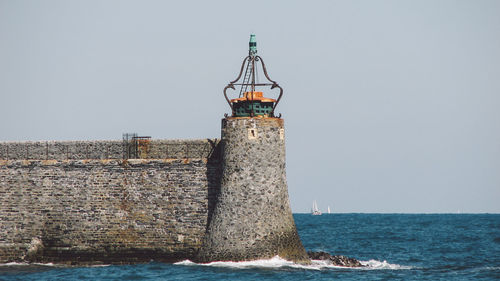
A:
(252, 217)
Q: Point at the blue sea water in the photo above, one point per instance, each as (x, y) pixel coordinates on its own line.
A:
(393, 246)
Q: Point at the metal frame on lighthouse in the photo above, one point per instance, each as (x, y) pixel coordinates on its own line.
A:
(251, 103)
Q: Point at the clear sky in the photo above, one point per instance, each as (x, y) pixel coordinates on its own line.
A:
(390, 106)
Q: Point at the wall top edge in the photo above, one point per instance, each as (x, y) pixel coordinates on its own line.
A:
(104, 141)
(123, 162)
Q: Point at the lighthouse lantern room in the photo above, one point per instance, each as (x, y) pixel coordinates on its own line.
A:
(250, 102)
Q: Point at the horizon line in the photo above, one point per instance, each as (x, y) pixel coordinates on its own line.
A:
(404, 213)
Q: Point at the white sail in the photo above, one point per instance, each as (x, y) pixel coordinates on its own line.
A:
(328, 210)
(315, 211)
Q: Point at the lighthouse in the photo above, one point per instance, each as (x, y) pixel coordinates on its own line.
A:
(252, 218)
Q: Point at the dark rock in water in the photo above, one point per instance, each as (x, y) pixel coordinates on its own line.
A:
(335, 260)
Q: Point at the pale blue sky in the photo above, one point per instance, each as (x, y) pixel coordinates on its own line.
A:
(390, 106)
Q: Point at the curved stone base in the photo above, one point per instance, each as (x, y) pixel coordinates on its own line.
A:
(252, 217)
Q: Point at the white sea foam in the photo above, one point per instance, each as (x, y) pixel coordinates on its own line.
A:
(13, 264)
(488, 268)
(277, 262)
(375, 264)
(26, 264)
(47, 264)
(99, 265)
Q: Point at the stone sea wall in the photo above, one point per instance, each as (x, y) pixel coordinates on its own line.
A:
(81, 202)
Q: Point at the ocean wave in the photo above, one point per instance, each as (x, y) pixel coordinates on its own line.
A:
(489, 268)
(12, 264)
(375, 264)
(28, 264)
(45, 264)
(277, 263)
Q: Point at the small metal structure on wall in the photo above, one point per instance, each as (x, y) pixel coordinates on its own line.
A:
(142, 146)
(135, 146)
(129, 147)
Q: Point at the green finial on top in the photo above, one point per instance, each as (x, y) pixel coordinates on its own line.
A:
(253, 46)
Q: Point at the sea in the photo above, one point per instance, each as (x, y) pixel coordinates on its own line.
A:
(392, 246)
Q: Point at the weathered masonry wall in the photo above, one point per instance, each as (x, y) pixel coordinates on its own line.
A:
(109, 149)
(64, 204)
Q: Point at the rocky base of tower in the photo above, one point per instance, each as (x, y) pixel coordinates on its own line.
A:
(335, 260)
(285, 244)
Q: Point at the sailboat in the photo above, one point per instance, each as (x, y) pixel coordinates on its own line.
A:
(315, 211)
(328, 210)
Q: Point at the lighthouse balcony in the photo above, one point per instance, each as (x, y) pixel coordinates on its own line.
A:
(253, 104)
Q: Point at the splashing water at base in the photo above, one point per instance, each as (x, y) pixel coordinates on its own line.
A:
(277, 263)
(374, 264)
(28, 264)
